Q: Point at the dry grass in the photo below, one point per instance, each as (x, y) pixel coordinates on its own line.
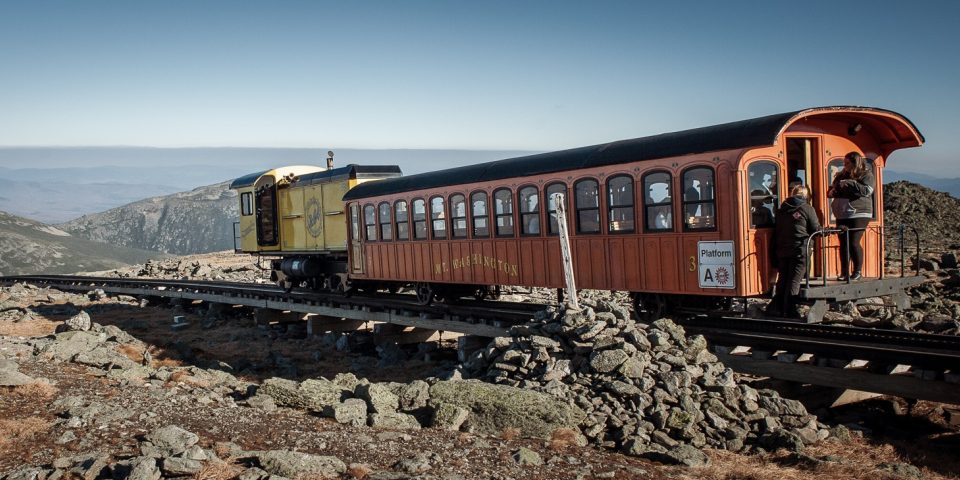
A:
(36, 391)
(510, 433)
(359, 471)
(34, 327)
(21, 429)
(858, 459)
(182, 376)
(562, 438)
(218, 471)
(166, 362)
(132, 352)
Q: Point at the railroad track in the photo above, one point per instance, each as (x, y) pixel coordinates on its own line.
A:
(907, 364)
(487, 318)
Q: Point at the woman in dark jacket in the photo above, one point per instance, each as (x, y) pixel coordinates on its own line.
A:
(852, 206)
(796, 221)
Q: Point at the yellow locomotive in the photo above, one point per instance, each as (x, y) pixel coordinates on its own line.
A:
(295, 216)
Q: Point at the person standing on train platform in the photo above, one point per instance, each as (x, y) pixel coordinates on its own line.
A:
(796, 220)
(852, 206)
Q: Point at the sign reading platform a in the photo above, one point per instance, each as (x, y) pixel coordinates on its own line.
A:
(716, 261)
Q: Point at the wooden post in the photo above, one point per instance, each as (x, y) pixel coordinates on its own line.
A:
(558, 200)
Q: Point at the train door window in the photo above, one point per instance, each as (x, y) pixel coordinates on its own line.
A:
(620, 204)
(419, 219)
(355, 221)
(246, 203)
(834, 167)
(658, 202)
(699, 206)
(370, 221)
(438, 217)
(481, 220)
(587, 204)
(458, 216)
(386, 226)
(552, 189)
(400, 216)
(801, 157)
(764, 193)
(529, 198)
(503, 206)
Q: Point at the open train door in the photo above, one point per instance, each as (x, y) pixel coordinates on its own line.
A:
(805, 167)
(268, 230)
(356, 245)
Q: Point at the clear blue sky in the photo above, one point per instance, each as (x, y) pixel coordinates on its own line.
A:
(464, 74)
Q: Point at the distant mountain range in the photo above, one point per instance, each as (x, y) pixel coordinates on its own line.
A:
(196, 221)
(55, 185)
(29, 247)
(948, 185)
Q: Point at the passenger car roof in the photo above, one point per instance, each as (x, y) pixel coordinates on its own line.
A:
(754, 132)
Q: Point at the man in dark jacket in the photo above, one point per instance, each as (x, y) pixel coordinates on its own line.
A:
(796, 220)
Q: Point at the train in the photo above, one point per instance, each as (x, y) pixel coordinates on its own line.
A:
(681, 218)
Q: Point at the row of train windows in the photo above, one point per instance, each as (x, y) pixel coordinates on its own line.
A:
(400, 221)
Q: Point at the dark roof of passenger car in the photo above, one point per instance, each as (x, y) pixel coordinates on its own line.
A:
(349, 171)
(743, 134)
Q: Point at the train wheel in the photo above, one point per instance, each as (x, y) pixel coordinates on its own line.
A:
(425, 293)
(648, 307)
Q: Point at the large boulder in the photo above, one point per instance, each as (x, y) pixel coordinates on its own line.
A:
(315, 395)
(77, 323)
(496, 407)
(300, 465)
(68, 344)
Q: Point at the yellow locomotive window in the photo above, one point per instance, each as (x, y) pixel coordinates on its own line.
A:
(478, 210)
(587, 203)
(439, 217)
(658, 201)
(419, 219)
(529, 211)
(458, 216)
(503, 206)
(620, 204)
(699, 208)
(246, 203)
(400, 216)
(552, 189)
(386, 227)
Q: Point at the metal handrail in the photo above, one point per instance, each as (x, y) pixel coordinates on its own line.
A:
(881, 231)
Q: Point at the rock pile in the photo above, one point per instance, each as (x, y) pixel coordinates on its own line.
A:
(448, 404)
(172, 452)
(647, 390)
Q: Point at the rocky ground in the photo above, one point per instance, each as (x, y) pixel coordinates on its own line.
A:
(116, 391)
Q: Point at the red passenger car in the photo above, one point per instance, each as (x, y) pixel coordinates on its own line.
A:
(682, 217)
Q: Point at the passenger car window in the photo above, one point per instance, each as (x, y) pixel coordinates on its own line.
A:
(657, 202)
(503, 206)
(400, 216)
(386, 227)
(439, 217)
(419, 219)
(620, 204)
(458, 216)
(481, 227)
(587, 203)
(370, 220)
(552, 189)
(529, 211)
(699, 207)
(763, 178)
